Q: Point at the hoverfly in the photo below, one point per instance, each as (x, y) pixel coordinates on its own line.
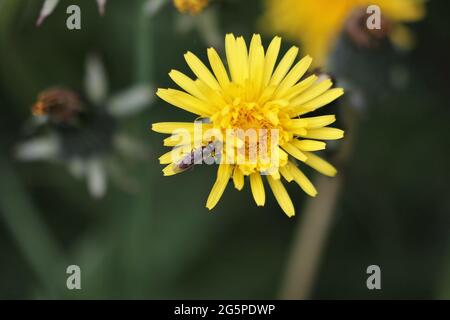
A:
(208, 154)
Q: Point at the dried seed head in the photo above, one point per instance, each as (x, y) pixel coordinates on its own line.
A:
(60, 105)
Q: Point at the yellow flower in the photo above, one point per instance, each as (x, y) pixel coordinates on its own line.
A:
(317, 23)
(191, 6)
(254, 94)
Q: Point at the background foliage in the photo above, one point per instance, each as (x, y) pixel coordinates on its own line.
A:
(161, 242)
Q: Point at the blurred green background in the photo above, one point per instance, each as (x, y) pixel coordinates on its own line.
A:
(161, 242)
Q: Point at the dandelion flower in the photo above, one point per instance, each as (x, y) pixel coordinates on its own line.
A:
(253, 95)
(316, 24)
(191, 6)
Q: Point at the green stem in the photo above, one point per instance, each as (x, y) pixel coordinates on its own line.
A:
(31, 234)
(140, 218)
(144, 46)
(312, 233)
(310, 240)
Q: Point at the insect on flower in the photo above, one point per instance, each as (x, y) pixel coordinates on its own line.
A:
(205, 154)
(256, 114)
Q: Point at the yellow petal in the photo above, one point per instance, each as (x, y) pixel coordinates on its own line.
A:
(271, 59)
(302, 180)
(238, 178)
(166, 158)
(294, 151)
(214, 100)
(266, 94)
(185, 101)
(201, 71)
(300, 87)
(284, 66)
(286, 173)
(313, 92)
(309, 145)
(232, 59)
(320, 164)
(296, 124)
(223, 176)
(173, 140)
(275, 174)
(318, 102)
(171, 127)
(320, 121)
(280, 193)
(170, 170)
(186, 83)
(324, 133)
(242, 54)
(283, 157)
(218, 68)
(293, 76)
(254, 45)
(256, 61)
(174, 155)
(272, 116)
(299, 131)
(181, 138)
(257, 187)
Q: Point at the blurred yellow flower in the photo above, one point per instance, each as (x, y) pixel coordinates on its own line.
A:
(253, 95)
(317, 23)
(190, 6)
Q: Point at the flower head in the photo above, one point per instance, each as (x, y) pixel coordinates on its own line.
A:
(83, 131)
(191, 6)
(316, 24)
(59, 105)
(252, 119)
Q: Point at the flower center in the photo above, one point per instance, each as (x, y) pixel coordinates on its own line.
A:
(245, 115)
(256, 130)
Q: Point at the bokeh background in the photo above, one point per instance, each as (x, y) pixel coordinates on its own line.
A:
(159, 242)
